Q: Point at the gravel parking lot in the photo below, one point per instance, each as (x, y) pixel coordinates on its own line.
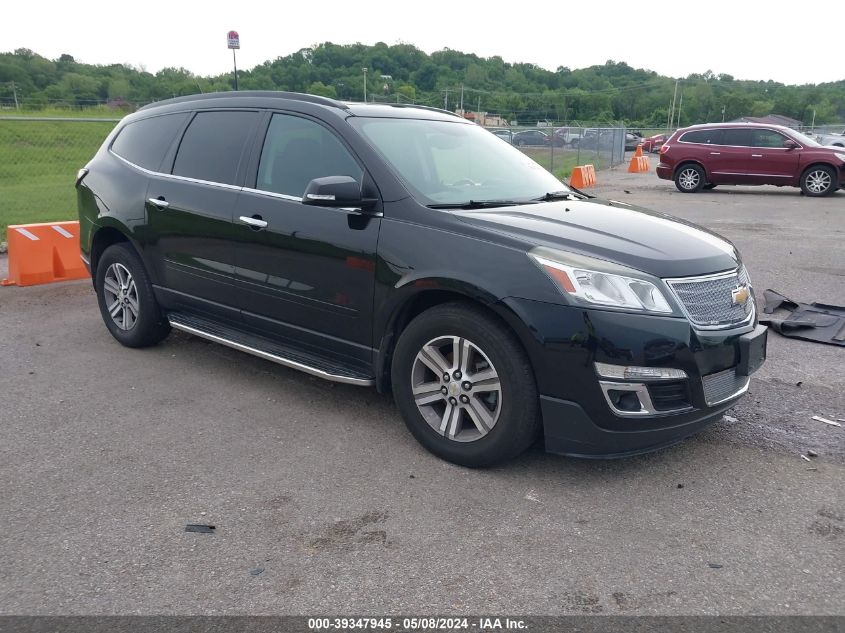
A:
(324, 503)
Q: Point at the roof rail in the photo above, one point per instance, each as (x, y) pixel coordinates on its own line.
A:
(242, 94)
(422, 107)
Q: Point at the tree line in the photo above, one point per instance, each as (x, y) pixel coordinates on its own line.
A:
(611, 92)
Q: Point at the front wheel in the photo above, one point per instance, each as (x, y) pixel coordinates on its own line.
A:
(709, 186)
(126, 298)
(818, 181)
(689, 179)
(464, 386)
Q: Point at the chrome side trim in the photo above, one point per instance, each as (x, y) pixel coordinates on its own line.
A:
(319, 373)
(160, 174)
(272, 194)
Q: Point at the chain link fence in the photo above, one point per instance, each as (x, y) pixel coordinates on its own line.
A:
(559, 149)
(40, 159)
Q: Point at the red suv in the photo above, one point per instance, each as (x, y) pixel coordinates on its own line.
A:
(703, 156)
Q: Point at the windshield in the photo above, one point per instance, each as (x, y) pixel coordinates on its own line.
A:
(805, 140)
(445, 163)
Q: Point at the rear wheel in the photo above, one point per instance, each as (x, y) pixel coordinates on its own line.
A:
(689, 178)
(464, 386)
(818, 180)
(126, 298)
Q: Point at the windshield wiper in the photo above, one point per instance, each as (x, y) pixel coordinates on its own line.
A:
(559, 195)
(478, 204)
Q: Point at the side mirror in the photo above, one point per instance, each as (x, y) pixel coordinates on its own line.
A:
(790, 144)
(336, 191)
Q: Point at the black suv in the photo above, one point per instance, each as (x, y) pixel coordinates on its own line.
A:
(406, 248)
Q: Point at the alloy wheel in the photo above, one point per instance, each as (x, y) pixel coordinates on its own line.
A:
(456, 388)
(121, 295)
(818, 181)
(689, 178)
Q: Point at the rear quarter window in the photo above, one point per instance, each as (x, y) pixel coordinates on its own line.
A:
(213, 145)
(145, 142)
(706, 137)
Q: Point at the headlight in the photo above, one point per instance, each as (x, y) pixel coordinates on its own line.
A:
(574, 276)
(840, 156)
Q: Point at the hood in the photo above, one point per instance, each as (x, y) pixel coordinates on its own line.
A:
(655, 243)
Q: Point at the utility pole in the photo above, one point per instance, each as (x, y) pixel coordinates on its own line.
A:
(680, 105)
(674, 99)
(478, 109)
(18, 107)
(365, 83)
(462, 99)
(723, 114)
(446, 100)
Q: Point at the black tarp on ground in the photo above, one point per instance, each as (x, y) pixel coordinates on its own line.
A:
(817, 322)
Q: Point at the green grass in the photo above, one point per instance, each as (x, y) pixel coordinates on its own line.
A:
(38, 165)
(564, 160)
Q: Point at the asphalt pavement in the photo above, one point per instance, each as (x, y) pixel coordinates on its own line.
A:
(323, 503)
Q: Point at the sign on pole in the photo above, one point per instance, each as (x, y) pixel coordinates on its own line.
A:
(234, 40)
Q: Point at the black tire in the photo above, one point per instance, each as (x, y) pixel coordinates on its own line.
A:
(818, 181)
(520, 143)
(150, 326)
(709, 186)
(518, 422)
(689, 178)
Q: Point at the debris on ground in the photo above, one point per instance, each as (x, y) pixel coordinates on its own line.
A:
(805, 458)
(730, 418)
(680, 485)
(714, 565)
(812, 453)
(257, 571)
(819, 322)
(201, 528)
(819, 418)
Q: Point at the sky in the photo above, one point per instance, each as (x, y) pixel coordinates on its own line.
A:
(746, 39)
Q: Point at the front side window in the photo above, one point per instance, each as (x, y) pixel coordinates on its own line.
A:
(213, 144)
(445, 162)
(767, 138)
(145, 142)
(297, 150)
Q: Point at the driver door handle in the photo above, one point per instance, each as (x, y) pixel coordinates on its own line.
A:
(159, 202)
(255, 221)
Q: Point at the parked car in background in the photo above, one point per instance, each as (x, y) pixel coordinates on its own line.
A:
(632, 141)
(505, 135)
(407, 249)
(832, 140)
(652, 143)
(534, 138)
(704, 156)
(566, 136)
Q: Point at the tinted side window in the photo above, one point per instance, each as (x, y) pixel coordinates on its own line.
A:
(212, 146)
(709, 137)
(145, 142)
(740, 137)
(767, 138)
(296, 151)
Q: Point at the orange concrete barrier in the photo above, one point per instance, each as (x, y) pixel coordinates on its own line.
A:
(44, 253)
(583, 176)
(639, 163)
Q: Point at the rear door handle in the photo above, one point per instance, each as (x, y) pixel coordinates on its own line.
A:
(159, 202)
(756, 156)
(715, 153)
(255, 221)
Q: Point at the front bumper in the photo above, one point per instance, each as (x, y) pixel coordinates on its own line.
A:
(578, 418)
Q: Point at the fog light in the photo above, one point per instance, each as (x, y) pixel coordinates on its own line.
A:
(624, 400)
(622, 372)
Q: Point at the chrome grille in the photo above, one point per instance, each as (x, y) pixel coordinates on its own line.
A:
(708, 301)
(723, 385)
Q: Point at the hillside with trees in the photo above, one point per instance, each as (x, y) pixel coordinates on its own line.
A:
(613, 91)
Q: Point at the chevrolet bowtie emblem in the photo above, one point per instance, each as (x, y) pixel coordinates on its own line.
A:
(739, 296)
